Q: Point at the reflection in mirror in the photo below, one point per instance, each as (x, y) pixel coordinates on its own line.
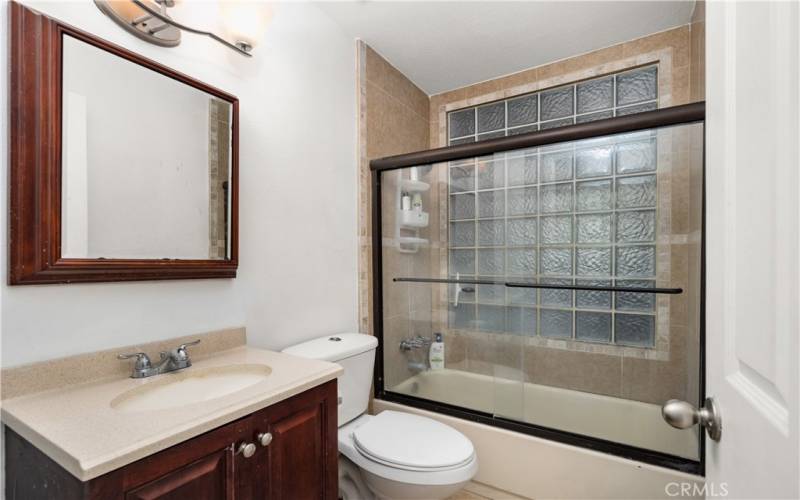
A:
(146, 162)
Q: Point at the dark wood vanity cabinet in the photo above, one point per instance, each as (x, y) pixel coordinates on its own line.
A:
(300, 461)
(291, 461)
(212, 476)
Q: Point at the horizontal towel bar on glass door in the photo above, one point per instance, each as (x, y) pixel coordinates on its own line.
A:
(523, 284)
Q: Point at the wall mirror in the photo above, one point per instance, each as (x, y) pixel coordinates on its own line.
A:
(121, 169)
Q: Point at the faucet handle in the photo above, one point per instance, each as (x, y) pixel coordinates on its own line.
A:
(179, 354)
(142, 360)
(183, 347)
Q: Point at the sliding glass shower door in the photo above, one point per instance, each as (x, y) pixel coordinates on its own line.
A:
(564, 280)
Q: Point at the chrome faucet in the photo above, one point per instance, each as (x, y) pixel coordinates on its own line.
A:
(175, 359)
(417, 342)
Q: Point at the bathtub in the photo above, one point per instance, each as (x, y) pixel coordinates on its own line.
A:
(614, 419)
(533, 467)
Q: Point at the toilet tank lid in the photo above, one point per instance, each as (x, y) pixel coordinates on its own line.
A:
(334, 347)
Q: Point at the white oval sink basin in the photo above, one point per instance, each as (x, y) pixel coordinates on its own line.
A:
(172, 390)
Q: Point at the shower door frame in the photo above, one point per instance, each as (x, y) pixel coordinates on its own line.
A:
(672, 116)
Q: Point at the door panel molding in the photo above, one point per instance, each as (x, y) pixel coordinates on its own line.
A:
(753, 237)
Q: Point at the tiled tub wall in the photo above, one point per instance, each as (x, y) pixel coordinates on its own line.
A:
(407, 307)
(393, 119)
(671, 49)
(585, 366)
(586, 209)
(218, 174)
(652, 374)
(623, 93)
(515, 356)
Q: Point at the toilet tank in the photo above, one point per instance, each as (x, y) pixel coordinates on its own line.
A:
(355, 352)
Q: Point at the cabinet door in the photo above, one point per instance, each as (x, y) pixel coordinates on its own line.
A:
(210, 478)
(301, 461)
(206, 467)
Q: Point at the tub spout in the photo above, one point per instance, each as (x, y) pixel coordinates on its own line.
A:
(417, 367)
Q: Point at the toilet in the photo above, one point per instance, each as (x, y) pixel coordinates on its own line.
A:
(393, 455)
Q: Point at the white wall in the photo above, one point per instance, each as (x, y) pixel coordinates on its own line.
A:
(146, 188)
(74, 176)
(298, 224)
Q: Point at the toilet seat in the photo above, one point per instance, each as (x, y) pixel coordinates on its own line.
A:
(452, 474)
(412, 442)
(409, 467)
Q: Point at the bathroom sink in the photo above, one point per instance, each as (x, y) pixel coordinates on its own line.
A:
(190, 386)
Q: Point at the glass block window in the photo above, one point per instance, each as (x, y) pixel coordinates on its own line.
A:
(581, 213)
(632, 91)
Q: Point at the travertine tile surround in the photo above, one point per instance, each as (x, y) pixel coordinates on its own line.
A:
(645, 375)
(697, 65)
(673, 87)
(218, 173)
(393, 119)
(81, 368)
(673, 168)
(677, 53)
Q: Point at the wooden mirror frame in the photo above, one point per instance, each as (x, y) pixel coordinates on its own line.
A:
(35, 165)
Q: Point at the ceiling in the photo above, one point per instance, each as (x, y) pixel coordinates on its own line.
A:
(442, 46)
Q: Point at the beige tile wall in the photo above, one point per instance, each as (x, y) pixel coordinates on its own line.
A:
(616, 374)
(393, 119)
(673, 44)
(218, 173)
(698, 52)
(679, 55)
(406, 306)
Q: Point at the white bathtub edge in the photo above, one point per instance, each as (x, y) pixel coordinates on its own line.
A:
(539, 468)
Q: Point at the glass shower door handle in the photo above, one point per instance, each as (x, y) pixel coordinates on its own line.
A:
(682, 415)
(461, 289)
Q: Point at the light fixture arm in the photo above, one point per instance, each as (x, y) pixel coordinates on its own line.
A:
(167, 20)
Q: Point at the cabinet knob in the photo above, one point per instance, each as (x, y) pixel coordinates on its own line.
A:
(265, 438)
(246, 449)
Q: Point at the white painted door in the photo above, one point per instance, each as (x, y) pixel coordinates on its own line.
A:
(753, 226)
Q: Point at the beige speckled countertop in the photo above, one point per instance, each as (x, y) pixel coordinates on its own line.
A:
(77, 427)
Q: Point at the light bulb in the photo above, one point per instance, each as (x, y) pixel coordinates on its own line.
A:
(245, 21)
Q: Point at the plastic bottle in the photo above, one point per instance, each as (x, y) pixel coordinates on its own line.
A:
(436, 354)
(416, 202)
(405, 203)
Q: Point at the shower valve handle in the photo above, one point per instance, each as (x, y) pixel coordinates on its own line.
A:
(414, 343)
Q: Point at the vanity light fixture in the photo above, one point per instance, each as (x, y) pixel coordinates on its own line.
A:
(149, 20)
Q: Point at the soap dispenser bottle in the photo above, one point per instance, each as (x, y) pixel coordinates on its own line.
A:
(405, 202)
(436, 354)
(416, 202)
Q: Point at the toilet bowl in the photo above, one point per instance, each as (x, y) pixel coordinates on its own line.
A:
(401, 455)
(393, 455)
